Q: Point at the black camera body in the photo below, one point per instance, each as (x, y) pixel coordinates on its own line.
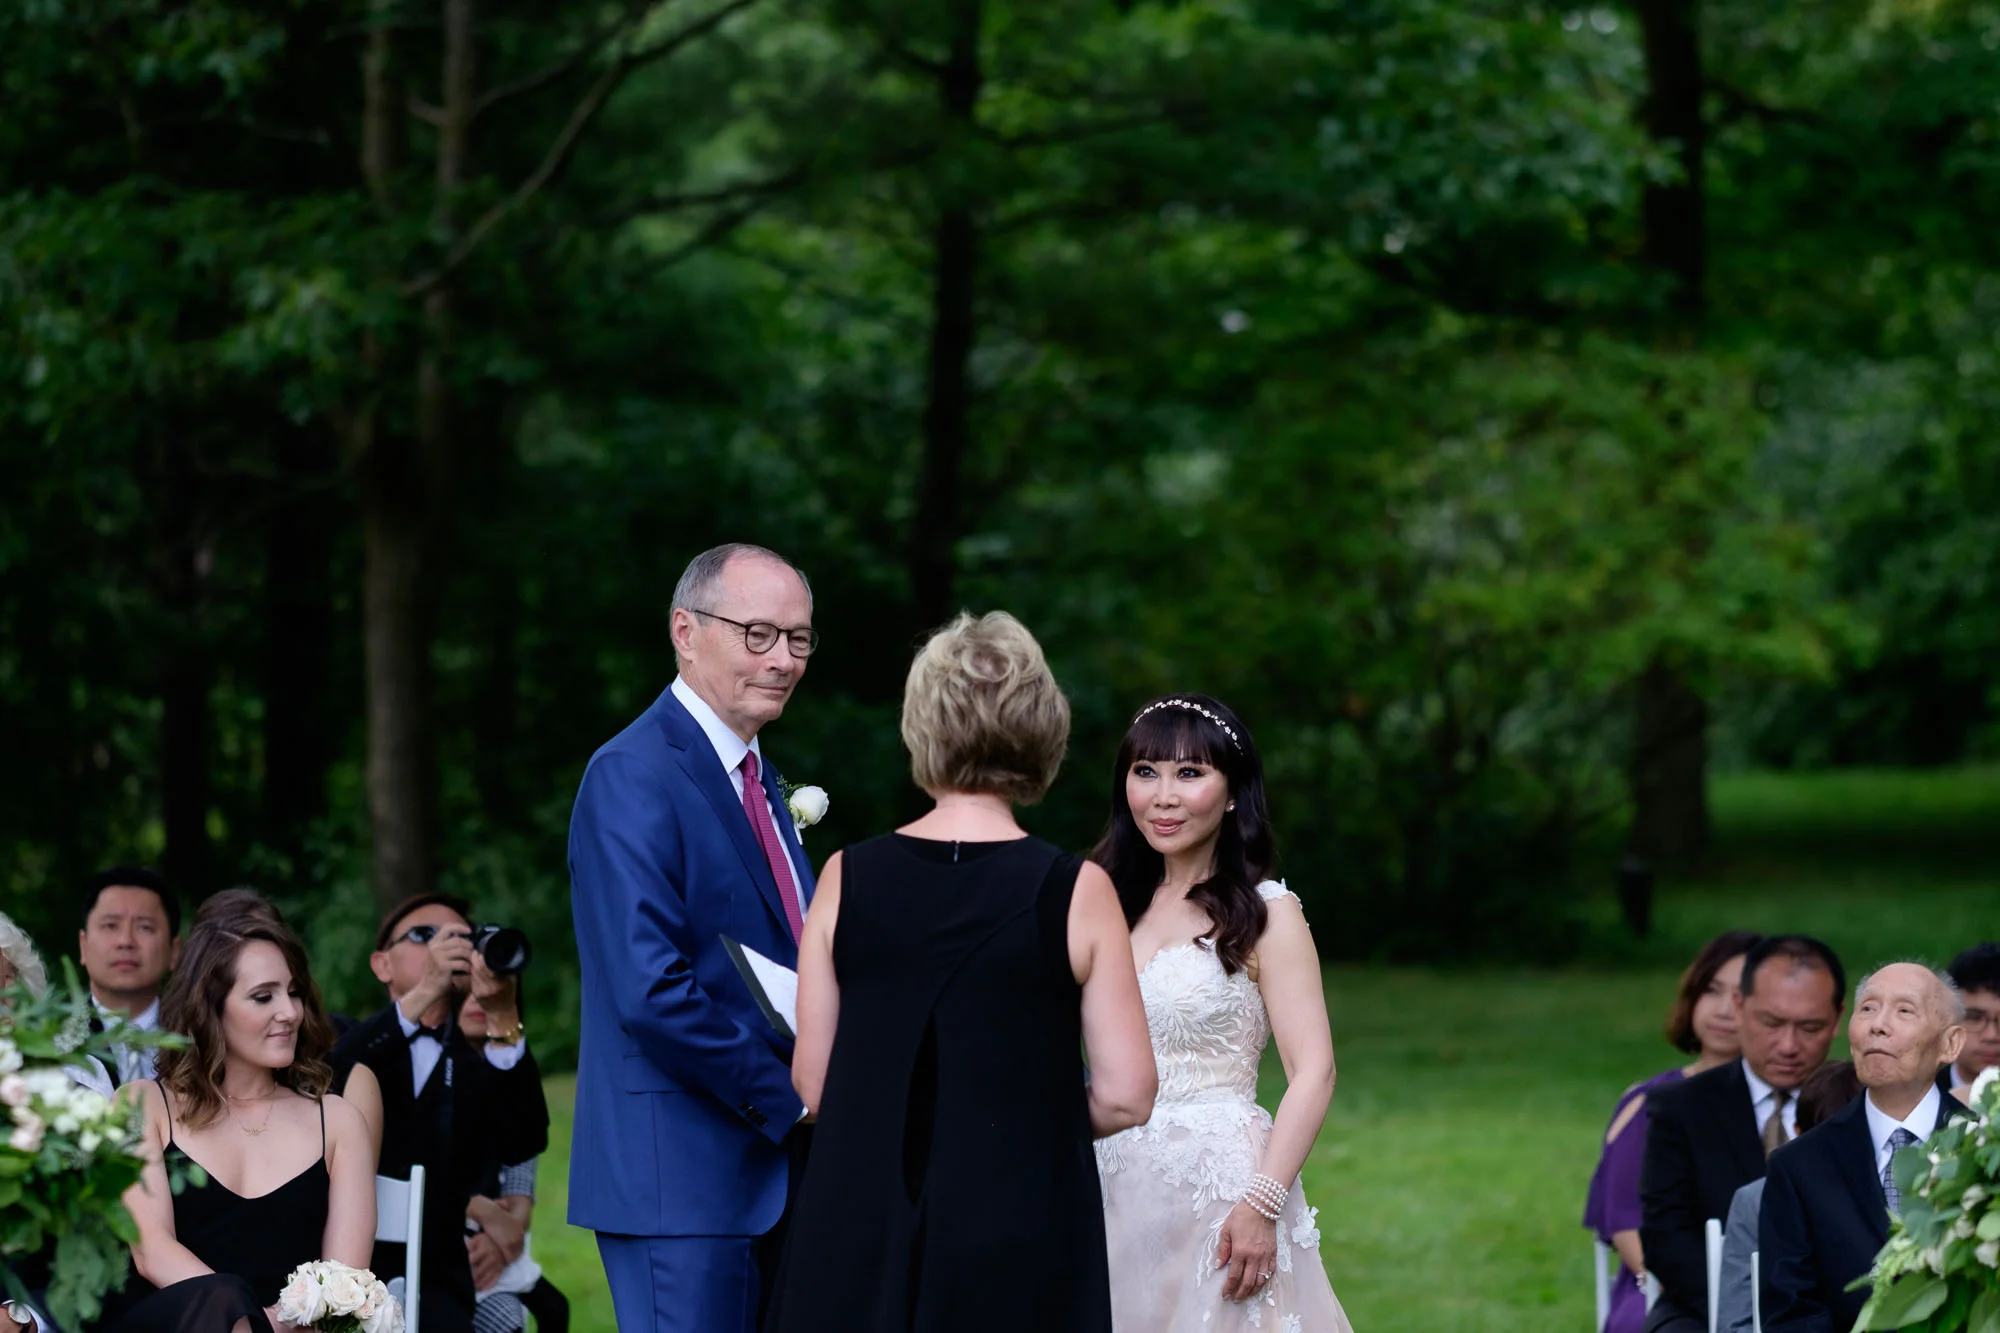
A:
(505, 950)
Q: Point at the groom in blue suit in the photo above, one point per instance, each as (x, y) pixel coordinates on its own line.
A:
(687, 1127)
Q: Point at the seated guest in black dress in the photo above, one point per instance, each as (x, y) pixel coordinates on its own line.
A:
(430, 1098)
(950, 975)
(291, 1172)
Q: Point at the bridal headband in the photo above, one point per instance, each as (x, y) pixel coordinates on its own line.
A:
(1193, 707)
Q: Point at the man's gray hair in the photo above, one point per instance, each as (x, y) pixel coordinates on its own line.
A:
(697, 587)
(1954, 998)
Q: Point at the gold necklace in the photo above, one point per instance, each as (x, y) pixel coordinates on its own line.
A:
(267, 1097)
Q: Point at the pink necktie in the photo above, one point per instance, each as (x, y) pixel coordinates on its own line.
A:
(774, 850)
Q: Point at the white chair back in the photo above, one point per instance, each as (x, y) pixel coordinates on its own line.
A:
(1604, 1267)
(1711, 1232)
(1756, 1295)
(399, 1220)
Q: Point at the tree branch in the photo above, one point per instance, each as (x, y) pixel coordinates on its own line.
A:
(564, 147)
(559, 69)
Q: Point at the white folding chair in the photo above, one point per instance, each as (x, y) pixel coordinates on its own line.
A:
(1756, 1295)
(1711, 1232)
(1604, 1267)
(399, 1220)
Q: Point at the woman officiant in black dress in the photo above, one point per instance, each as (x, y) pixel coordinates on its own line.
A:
(948, 976)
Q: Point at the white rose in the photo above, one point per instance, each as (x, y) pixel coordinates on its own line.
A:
(27, 1135)
(1987, 1077)
(10, 1055)
(1974, 1196)
(388, 1317)
(303, 1301)
(1988, 1254)
(13, 1091)
(808, 806)
(89, 1141)
(345, 1291)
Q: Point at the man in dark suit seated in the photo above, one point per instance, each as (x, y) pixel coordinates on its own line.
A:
(444, 1105)
(1710, 1135)
(1828, 1197)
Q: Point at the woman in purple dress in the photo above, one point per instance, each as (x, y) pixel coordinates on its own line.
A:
(1703, 1024)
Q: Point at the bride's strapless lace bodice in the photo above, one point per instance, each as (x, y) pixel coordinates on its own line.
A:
(1209, 1028)
(1209, 1031)
(1170, 1183)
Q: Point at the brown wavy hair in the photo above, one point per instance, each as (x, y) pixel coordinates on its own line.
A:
(192, 1006)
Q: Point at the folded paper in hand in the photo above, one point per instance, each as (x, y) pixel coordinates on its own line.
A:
(774, 986)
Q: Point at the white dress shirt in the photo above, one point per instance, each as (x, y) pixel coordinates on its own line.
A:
(133, 1062)
(730, 749)
(1920, 1124)
(1762, 1095)
(426, 1051)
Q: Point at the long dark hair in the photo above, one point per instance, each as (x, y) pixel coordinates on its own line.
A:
(192, 1006)
(1196, 728)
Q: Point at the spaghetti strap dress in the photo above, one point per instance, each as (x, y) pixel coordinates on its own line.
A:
(951, 1186)
(253, 1244)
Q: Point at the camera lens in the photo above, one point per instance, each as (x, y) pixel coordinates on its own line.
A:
(505, 949)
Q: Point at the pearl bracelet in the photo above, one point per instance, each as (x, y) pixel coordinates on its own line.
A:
(1266, 1197)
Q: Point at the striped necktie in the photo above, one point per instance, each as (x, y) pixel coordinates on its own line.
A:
(1898, 1141)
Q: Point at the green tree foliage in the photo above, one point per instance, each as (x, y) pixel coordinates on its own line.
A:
(1306, 353)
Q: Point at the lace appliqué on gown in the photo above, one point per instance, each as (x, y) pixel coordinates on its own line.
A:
(1170, 1184)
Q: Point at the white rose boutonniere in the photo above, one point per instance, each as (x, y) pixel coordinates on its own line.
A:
(807, 806)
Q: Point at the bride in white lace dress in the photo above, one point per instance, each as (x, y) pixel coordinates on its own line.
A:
(1208, 1227)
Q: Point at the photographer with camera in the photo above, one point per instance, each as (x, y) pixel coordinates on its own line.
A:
(443, 1104)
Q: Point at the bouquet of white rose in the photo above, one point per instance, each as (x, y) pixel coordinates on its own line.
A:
(1940, 1271)
(67, 1153)
(334, 1298)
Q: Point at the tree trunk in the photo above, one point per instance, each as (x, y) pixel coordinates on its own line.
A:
(298, 635)
(187, 677)
(947, 428)
(398, 614)
(1670, 822)
(1674, 211)
(406, 488)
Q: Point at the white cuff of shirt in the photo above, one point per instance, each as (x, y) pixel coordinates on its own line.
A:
(506, 1057)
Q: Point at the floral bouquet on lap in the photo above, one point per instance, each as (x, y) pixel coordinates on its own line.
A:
(67, 1153)
(1940, 1271)
(334, 1298)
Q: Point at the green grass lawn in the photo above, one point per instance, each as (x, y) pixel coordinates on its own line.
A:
(1451, 1171)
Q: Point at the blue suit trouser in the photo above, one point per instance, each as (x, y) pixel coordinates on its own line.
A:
(683, 1284)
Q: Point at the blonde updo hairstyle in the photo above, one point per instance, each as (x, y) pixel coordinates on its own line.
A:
(982, 713)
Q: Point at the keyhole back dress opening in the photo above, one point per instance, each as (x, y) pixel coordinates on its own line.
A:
(951, 1184)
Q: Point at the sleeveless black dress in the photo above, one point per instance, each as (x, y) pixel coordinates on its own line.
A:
(951, 1186)
(252, 1244)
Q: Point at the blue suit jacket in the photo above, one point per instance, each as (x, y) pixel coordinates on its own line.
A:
(684, 1092)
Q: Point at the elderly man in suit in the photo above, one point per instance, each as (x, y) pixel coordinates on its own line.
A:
(1828, 1197)
(687, 1126)
(1711, 1134)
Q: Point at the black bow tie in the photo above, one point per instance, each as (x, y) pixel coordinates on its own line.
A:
(435, 1034)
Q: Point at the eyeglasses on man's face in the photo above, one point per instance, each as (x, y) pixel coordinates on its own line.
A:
(760, 636)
